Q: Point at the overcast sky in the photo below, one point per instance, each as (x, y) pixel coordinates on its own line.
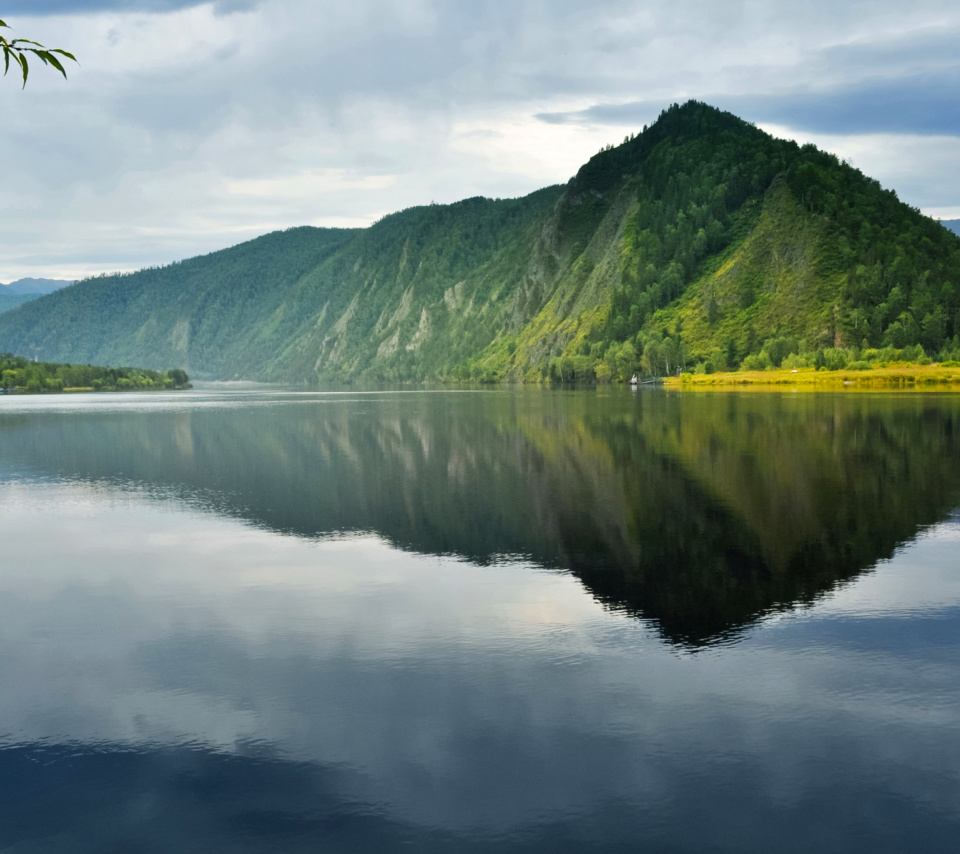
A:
(190, 126)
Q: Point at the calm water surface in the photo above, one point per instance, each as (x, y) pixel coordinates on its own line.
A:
(261, 621)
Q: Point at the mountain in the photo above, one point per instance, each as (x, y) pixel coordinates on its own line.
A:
(701, 240)
(952, 224)
(36, 287)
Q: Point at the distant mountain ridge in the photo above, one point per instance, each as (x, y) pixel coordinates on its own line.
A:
(24, 290)
(37, 287)
(952, 224)
(700, 241)
(11, 301)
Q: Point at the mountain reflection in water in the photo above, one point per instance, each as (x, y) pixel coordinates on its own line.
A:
(698, 513)
(516, 620)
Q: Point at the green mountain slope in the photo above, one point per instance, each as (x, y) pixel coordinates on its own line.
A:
(415, 293)
(833, 262)
(702, 240)
(205, 311)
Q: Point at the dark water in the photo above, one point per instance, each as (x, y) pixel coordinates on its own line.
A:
(479, 621)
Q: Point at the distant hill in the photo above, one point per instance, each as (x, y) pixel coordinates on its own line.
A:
(24, 290)
(952, 224)
(37, 287)
(9, 301)
(700, 241)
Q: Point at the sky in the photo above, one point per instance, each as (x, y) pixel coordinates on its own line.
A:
(191, 126)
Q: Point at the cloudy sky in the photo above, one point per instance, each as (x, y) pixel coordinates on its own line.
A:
(190, 126)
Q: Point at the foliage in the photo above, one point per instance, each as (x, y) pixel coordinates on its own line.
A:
(17, 50)
(21, 375)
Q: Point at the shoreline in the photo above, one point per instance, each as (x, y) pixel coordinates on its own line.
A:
(889, 378)
(85, 390)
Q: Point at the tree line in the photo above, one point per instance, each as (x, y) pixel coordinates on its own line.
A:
(20, 375)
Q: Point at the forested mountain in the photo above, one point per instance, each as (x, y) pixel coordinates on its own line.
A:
(701, 241)
(208, 310)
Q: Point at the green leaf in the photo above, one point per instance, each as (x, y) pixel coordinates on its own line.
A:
(46, 56)
(65, 53)
(23, 63)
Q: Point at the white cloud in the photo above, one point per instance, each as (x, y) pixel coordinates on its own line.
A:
(186, 131)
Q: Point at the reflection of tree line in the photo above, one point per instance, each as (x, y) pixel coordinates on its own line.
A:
(697, 512)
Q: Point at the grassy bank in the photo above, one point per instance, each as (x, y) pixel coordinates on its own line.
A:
(902, 375)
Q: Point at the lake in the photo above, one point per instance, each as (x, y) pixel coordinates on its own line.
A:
(512, 620)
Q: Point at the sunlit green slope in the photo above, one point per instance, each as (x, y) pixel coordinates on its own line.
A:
(718, 242)
(701, 240)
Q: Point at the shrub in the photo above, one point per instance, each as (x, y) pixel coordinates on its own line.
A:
(758, 362)
(798, 360)
(777, 349)
(835, 359)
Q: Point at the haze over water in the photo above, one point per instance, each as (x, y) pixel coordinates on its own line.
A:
(511, 620)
